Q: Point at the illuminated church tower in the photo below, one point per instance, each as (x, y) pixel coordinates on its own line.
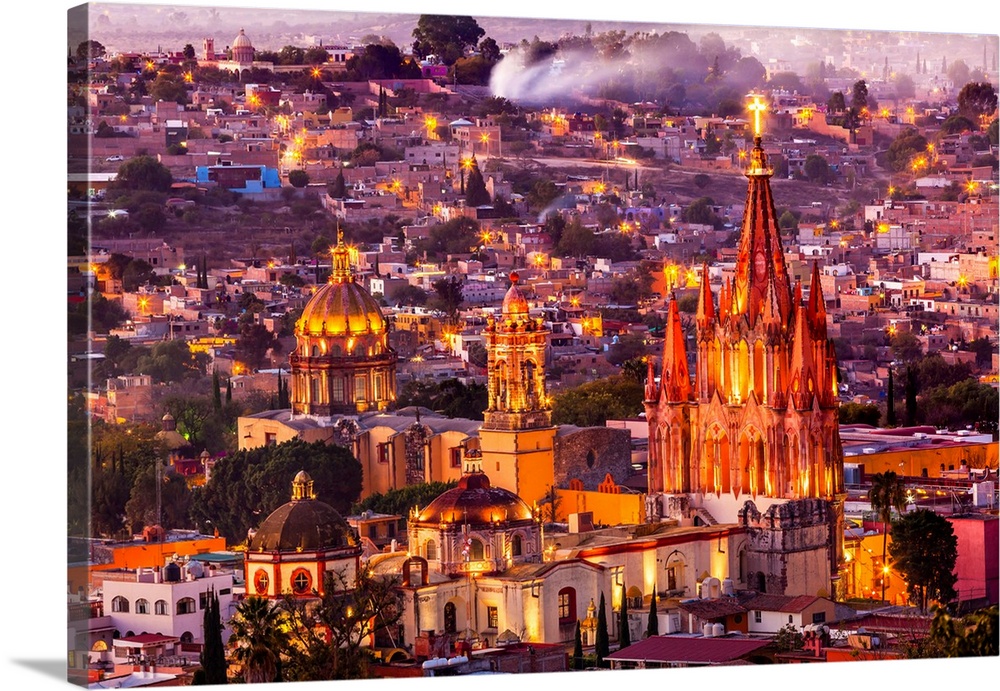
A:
(517, 437)
(755, 439)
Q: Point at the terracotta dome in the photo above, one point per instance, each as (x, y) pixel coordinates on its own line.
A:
(303, 524)
(242, 41)
(342, 307)
(514, 302)
(476, 502)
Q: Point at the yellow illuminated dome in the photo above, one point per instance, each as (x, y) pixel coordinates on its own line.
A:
(475, 502)
(341, 307)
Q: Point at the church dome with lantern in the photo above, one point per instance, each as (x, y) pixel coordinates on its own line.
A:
(342, 363)
(475, 527)
(242, 48)
(298, 542)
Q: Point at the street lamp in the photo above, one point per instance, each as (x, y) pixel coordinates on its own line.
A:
(485, 139)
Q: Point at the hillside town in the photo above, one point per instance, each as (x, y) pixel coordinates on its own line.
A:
(460, 356)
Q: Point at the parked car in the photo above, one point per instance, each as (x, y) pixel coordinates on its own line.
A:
(116, 157)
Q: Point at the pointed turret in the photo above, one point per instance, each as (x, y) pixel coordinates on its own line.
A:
(817, 305)
(802, 371)
(706, 308)
(675, 383)
(651, 388)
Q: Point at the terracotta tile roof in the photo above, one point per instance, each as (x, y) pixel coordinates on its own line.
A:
(144, 638)
(689, 650)
(780, 603)
(714, 608)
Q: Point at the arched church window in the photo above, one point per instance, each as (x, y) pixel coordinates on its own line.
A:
(142, 606)
(119, 604)
(567, 605)
(516, 546)
(591, 458)
(160, 607)
(430, 550)
(301, 582)
(476, 550)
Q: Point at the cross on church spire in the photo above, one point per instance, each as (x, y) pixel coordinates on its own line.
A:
(757, 107)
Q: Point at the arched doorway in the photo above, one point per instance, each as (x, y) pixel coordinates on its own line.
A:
(450, 623)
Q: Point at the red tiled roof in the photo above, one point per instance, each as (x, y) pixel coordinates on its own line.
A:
(780, 603)
(689, 649)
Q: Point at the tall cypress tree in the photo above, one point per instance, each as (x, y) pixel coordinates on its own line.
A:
(229, 390)
(216, 391)
(213, 653)
(577, 660)
(910, 392)
(475, 188)
(653, 623)
(890, 403)
(602, 644)
(624, 636)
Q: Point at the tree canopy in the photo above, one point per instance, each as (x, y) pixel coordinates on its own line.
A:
(593, 403)
(144, 173)
(923, 550)
(246, 486)
(977, 99)
(445, 36)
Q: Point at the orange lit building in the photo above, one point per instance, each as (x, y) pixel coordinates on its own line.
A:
(753, 438)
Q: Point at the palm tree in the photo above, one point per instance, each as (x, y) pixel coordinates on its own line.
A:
(887, 493)
(257, 639)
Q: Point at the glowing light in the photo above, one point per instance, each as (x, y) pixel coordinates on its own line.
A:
(883, 227)
(885, 113)
(316, 73)
(150, 65)
(962, 281)
(484, 137)
(188, 77)
(757, 106)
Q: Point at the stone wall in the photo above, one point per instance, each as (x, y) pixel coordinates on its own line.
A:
(590, 453)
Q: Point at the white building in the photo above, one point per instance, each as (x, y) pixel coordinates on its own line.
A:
(168, 601)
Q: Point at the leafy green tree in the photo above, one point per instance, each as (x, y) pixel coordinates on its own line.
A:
(836, 102)
(700, 211)
(968, 402)
(327, 632)
(905, 346)
(172, 361)
(974, 635)
(381, 61)
(887, 493)
(924, 549)
(445, 36)
(188, 51)
(788, 638)
(213, 652)
(144, 173)
(90, 49)
(448, 295)
(175, 500)
(400, 501)
(859, 414)
(258, 638)
(593, 403)
(624, 635)
(253, 344)
(411, 295)
(315, 56)
(788, 221)
(169, 87)
(653, 622)
(977, 99)
(859, 94)
(576, 240)
(247, 485)
(298, 178)
(903, 148)
(602, 642)
(816, 168)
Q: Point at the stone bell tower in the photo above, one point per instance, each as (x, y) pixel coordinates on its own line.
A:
(517, 437)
